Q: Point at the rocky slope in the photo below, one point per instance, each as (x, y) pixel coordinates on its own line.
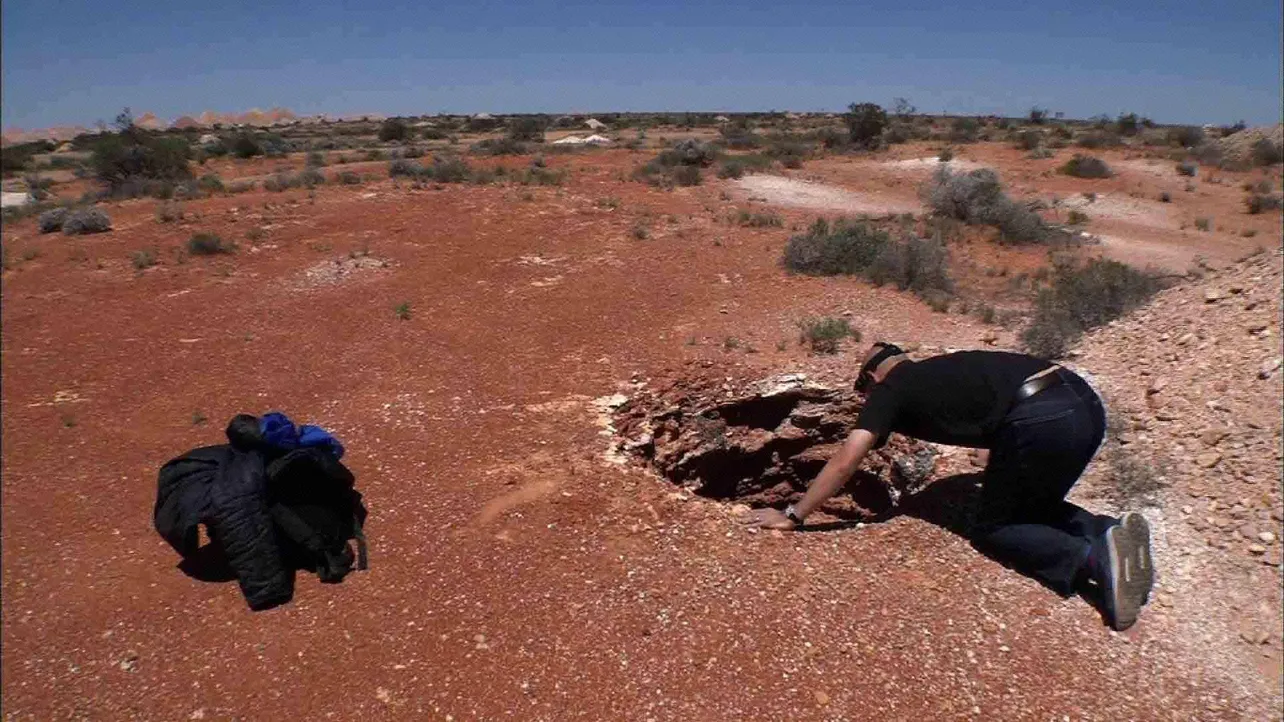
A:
(1193, 386)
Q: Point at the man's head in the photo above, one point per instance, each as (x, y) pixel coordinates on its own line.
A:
(877, 354)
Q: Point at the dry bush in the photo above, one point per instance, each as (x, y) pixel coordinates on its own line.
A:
(1086, 166)
(977, 198)
(83, 221)
(1082, 298)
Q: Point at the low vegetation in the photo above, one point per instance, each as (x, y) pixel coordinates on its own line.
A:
(858, 248)
(1261, 202)
(84, 221)
(1086, 166)
(209, 244)
(1081, 298)
(977, 198)
(825, 334)
(679, 165)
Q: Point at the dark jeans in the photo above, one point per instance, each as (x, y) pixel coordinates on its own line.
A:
(1044, 444)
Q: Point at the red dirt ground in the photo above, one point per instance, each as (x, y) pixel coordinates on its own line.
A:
(515, 574)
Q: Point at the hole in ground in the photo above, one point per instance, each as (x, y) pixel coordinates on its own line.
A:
(761, 442)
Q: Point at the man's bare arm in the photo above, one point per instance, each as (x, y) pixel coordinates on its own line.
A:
(837, 472)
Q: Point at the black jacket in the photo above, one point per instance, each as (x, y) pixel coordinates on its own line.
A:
(270, 510)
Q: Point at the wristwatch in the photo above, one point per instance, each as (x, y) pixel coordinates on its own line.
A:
(792, 514)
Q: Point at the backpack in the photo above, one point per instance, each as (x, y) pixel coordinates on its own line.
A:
(315, 508)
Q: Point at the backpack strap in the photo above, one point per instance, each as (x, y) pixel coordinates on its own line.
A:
(332, 565)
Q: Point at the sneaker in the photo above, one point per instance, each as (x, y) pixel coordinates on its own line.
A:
(1136, 526)
(1122, 582)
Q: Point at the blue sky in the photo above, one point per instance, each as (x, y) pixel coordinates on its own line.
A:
(74, 61)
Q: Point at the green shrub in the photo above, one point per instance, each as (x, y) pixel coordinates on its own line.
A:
(145, 258)
(1187, 169)
(83, 221)
(1186, 137)
(126, 161)
(977, 198)
(964, 130)
(209, 244)
(919, 265)
(541, 176)
(825, 334)
(244, 186)
(1029, 139)
(211, 183)
(315, 159)
(758, 220)
(349, 178)
(737, 166)
(448, 169)
(1038, 116)
(527, 129)
(865, 124)
(169, 212)
(677, 166)
(1203, 224)
(1086, 166)
(245, 145)
(738, 136)
(945, 155)
(1267, 152)
(1077, 217)
(52, 220)
(1258, 203)
(499, 146)
(405, 169)
(402, 311)
(687, 175)
(1097, 139)
(393, 129)
(843, 247)
(790, 153)
(1082, 298)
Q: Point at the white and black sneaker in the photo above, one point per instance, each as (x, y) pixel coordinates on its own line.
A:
(1124, 580)
(1136, 526)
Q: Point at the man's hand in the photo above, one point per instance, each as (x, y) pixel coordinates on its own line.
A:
(768, 519)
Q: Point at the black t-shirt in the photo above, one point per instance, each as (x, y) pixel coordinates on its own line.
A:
(957, 399)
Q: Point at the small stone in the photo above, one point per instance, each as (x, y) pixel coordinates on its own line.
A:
(1214, 435)
(1257, 327)
(1185, 339)
(1269, 367)
(821, 698)
(1157, 385)
(990, 338)
(1212, 295)
(1256, 549)
(383, 695)
(1208, 459)
(1266, 537)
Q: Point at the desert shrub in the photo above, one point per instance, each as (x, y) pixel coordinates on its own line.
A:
(245, 145)
(349, 178)
(51, 220)
(757, 220)
(945, 155)
(412, 151)
(1038, 116)
(448, 169)
(790, 153)
(843, 247)
(831, 138)
(527, 129)
(1267, 152)
(433, 134)
(1029, 139)
(37, 186)
(865, 124)
(1259, 202)
(1086, 166)
(127, 161)
(732, 168)
(1165, 197)
(499, 146)
(311, 177)
(1082, 298)
(737, 166)
(919, 265)
(977, 198)
(687, 175)
(898, 132)
(738, 135)
(405, 169)
(1097, 139)
(169, 212)
(315, 159)
(1203, 224)
(1040, 153)
(83, 221)
(393, 129)
(825, 334)
(1130, 481)
(209, 244)
(1076, 217)
(1128, 124)
(243, 186)
(1187, 169)
(964, 130)
(1186, 136)
(210, 183)
(1212, 154)
(145, 258)
(541, 176)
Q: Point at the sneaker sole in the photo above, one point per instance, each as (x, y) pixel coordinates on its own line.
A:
(1127, 581)
(1136, 526)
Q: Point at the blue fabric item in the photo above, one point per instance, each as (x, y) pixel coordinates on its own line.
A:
(279, 431)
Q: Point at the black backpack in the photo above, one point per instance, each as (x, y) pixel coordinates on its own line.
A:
(317, 511)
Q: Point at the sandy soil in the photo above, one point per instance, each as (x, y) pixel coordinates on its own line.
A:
(515, 571)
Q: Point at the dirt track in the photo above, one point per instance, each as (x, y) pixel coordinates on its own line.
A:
(515, 574)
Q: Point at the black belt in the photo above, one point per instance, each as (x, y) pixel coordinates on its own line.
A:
(1039, 383)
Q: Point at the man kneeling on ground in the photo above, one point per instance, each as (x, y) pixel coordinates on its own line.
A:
(1042, 424)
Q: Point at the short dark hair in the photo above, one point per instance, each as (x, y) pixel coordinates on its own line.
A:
(885, 351)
